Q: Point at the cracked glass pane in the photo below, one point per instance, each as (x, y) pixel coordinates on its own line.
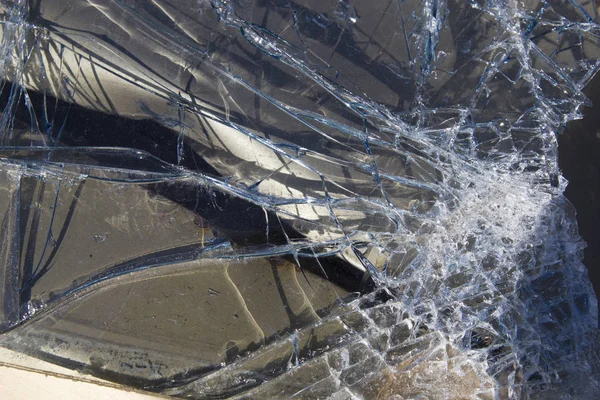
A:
(314, 199)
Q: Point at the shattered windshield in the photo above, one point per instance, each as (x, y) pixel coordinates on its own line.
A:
(297, 199)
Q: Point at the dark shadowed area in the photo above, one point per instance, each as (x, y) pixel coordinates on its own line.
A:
(579, 160)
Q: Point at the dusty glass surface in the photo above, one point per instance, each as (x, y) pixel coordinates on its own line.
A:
(313, 199)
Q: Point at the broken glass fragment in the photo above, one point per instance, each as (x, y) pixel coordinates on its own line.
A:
(279, 199)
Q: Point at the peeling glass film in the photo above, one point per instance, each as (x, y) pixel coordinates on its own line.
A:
(315, 199)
